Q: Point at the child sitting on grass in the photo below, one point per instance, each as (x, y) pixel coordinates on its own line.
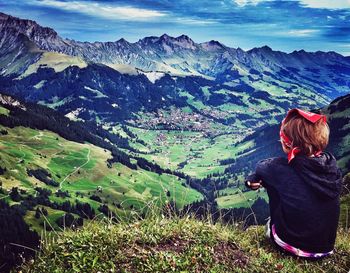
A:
(303, 189)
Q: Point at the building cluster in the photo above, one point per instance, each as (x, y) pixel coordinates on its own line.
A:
(175, 120)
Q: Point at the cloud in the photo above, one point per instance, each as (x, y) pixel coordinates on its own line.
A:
(243, 3)
(338, 33)
(103, 10)
(302, 32)
(198, 22)
(327, 4)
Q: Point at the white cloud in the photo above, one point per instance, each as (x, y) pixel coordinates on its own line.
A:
(243, 3)
(103, 10)
(327, 4)
(302, 32)
(189, 21)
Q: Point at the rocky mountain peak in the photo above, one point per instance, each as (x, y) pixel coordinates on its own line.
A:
(263, 49)
(184, 38)
(168, 42)
(122, 41)
(165, 37)
(44, 37)
(3, 16)
(212, 45)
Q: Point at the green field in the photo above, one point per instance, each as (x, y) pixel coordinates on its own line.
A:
(81, 170)
(202, 154)
(239, 199)
(4, 111)
(198, 152)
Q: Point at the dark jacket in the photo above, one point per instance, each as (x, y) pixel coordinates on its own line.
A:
(303, 199)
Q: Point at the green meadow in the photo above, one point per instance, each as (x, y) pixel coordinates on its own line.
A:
(81, 170)
(200, 154)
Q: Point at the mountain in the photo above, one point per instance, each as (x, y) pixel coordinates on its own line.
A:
(40, 148)
(182, 56)
(115, 128)
(185, 101)
(51, 166)
(182, 105)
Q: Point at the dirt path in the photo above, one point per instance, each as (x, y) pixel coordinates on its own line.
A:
(76, 169)
(38, 136)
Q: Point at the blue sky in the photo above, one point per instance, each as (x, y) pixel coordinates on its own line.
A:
(283, 25)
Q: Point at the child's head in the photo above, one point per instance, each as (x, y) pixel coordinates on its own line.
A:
(307, 131)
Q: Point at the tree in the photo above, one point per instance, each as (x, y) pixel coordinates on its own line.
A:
(37, 213)
(14, 194)
(65, 220)
(44, 211)
(13, 232)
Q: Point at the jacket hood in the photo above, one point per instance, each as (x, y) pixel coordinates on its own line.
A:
(321, 173)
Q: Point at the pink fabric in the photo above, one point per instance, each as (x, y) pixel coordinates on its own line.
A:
(294, 250)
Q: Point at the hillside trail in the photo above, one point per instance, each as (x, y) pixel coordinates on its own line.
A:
(76, 169)
(38, 136)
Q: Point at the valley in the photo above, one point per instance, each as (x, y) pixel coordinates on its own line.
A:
(79, 171)
(111, 128)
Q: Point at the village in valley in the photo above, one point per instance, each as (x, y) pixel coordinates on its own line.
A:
(177, 119)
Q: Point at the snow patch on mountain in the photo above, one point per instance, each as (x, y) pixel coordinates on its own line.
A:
(153, 76)
(73, 115)
(98, 93)
(4, 99)
(168, 49)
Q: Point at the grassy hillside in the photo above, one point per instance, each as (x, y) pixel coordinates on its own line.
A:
(80, 170)
(54, 60)
(159, 244)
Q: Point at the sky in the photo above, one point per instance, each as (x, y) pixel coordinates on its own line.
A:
(282, 25)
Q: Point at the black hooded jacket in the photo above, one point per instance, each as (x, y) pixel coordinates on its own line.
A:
(303, 199)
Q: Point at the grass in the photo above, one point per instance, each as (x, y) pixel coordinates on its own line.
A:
(4, 111)
(82, 167)
(240, 199)
(50, 220)
(158, 244)
(57, 61)
(201, 153)
(198, 154)
(345, 211)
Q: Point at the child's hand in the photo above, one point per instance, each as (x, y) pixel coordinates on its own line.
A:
(254, 185)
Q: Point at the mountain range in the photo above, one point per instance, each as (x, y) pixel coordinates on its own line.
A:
(163, 94)
(116, 127)
(182, 56)
(119, 81)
